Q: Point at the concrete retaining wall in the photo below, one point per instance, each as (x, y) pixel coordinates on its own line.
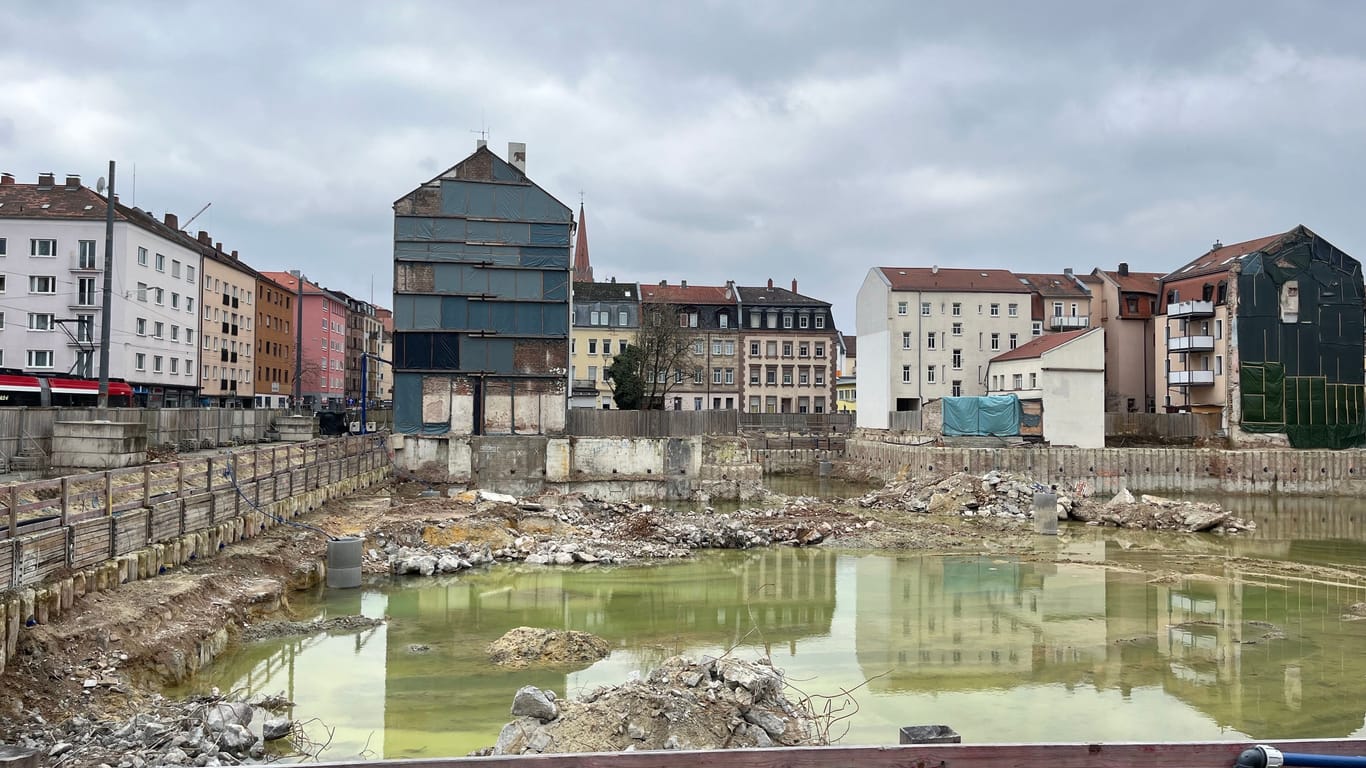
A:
(1150, 470)
(98, 444)
(796, 461)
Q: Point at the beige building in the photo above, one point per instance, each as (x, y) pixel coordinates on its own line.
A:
(790, 351)
(606, 319)
(1061, 378)
(1060, 303)
(925, 333)
(1125, 304)
(709, 377)
(227, 335)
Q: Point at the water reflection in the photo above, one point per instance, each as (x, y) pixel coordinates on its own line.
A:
(984, 644)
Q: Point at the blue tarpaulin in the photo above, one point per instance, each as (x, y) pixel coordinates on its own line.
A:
(995, 415)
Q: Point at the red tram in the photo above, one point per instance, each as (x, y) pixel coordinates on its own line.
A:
(22, 389)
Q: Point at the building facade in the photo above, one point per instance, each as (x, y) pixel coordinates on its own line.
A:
(1125, 304)
(363, 330)
(275, 318)
(1060, 303)
(52, 254)
(481, 302)
(322, 380)
(383, 371)
(1269, 333)
(227, 334)
(925, 333)
(709, 376)
(606, 319)
(1060, 377)
(789, 351)
(846, 386)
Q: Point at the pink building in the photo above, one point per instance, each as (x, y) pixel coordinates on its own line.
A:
(323, 377)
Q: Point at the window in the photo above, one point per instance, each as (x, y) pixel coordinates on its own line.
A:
(699, 347)
(820, 349)
(730, 375)
(930, 340)
(771, 376)
(1218, 329)
(1057, 309)
(716, 346)
(1013, 310)
(957, 329)
(803, 321)
(787, 349)
(2, 246)
(175, 333)
(39, 358)
(41, 321)
(787, 376)
(140, 361)
(45, 249)
(42, 284)
(995, 341)
(1073, 308)
(957, 309)
(925, 308)
(86, 257)
(804, 377)
(160, 296)
(754, 349)
(175, 365)
(156, 364)
(772, 349)
(901, 307)
(697, 375)
(906, 374)
(754, 375)
(1017, 381)
(803, 350)
(142, 257)
(1036, 328)
(995, 310)
(722, 320)
(142, 326)
(175, 272)
(756, 319)
(161, 262)
(958, 359)
(189, 305)
(607, 346)
(189, 368)
(158, 329)
(324, 323)
(905, 339)
(2, 283)
(930, 373)
(820, 376)
(820, 321)
(1033, 380)
(728, 348)
(716, 375)
(85, 292)
(1218, 365)
(957, 388)
(2, 321)
(787, 319)
(1014, 340)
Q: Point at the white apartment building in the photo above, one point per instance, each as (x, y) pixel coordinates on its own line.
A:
(926, 333)
(1061, 378)
(52, 252)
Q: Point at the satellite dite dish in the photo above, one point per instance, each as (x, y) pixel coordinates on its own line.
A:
(99, 185)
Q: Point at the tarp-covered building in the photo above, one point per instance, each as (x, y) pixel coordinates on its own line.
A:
(1268, 332)
(481, 302)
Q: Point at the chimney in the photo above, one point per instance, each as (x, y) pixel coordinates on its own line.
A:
(1217, 245)
(480, 144)
(683, 283)
(663, 283)
(218, 247)
(934, 270)
(234, 255)
(614, 279)
(1124, 269)
(770, 282)
(73, 182)
(45, 180)
(1067, 271)
(794, 285)
(204, 238)
(517, 155)
(172, 220)
(6, 178)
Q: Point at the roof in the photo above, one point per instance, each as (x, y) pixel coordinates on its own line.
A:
(27, 200)
(1134, 282)
(1221, 258)
(1053, 285)
(1037, 347)
(686, 294)
(768, 295)
(291, 283)
(605, 292)
(957, 280)
(583, 270)
(850, 345)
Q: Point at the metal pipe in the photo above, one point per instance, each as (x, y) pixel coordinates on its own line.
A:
(1265, 756)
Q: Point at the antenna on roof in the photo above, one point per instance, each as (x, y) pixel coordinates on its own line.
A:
(483, 132)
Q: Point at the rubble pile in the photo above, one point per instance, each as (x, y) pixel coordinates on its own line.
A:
(525, 646)
(203, 732)
(1158, 513)
(995, 494)
(684, 704)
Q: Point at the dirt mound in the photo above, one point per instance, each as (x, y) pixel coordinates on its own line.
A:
(524, 646)
(723, 703)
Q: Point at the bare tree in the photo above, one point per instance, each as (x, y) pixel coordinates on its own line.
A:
(664, 339)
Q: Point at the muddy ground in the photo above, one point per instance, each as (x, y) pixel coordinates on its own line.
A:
(133, 640)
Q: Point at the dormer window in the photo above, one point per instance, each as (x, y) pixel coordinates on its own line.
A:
(722, 320)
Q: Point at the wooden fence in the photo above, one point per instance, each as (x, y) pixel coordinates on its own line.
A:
(588, 422)
(1162, 427)
(31, 428)
(76, 521)
(798, 422)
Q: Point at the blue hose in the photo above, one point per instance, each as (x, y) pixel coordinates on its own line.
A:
(1323, 761)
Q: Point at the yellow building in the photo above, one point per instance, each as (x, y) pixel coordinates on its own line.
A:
(606, 318)
(846, 384)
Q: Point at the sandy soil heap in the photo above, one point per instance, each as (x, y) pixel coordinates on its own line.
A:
(525, 646)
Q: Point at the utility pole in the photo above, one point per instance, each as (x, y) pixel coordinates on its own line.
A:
(299, 341)
(106, 310)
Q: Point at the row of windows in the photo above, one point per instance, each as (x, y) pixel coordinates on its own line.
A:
(998, 381)
(604, 317)
(757, 319)
(933, 338)
(140, 364)
(159, 331)
(932, 371)
(161, 265)
(805, 375)
(804, 349)
(232, 374)
(214, 285)
(956, 309)
(775, 404)
(158, 296)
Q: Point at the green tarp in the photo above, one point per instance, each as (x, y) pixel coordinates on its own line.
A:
(994, 415)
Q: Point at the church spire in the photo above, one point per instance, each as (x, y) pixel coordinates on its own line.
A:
(583, 271)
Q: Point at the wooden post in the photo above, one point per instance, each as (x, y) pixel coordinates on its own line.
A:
(180, 479)
(108, 494)
(146, 485)
(208, 473)
(66, 501)
(14, 512)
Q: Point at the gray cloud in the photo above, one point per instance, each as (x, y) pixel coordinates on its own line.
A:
(716, 140)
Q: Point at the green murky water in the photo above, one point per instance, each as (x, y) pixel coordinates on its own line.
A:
(1002, 649)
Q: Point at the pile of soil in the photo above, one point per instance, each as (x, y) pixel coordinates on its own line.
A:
(269, 630)
(725, 703)
(525, 646)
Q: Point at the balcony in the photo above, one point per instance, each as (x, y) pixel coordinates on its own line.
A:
(1183, 344)
(79, 264)
(1190, 378)
(1067, 322)
(1191, 309)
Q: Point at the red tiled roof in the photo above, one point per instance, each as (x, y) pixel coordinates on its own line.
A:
(1221, 258)
(1038, 346)
(27, 201)
(960, 280)
(690, 294)
(1053, 285)
(850, 346)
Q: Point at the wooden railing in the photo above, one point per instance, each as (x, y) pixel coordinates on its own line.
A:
(74, 521)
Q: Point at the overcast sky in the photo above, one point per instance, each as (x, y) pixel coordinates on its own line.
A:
(714, 141)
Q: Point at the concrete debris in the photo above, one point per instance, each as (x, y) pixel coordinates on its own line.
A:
(525, 646)
(1005, 495)
(684, 704)
(274, 629)
(533, 702)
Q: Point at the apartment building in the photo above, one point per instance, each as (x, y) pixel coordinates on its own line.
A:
(710, 376)
(481, 301)
(606, 319)
(1060, 303)
(363, 330)
(227, 334)
(1125, 304)
(383, 370)
(846, 385)
(52, 254)
(1060, 378)
(789, 351)
(275, 318)
(926, 333)
(1267, 332)
(323, 378)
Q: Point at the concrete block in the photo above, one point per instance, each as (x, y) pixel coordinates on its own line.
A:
(42, 602)
(98, 444)
(68, 593)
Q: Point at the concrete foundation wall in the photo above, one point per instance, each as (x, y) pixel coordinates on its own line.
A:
(794, 461)
(98, 444)
(1149, 470)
